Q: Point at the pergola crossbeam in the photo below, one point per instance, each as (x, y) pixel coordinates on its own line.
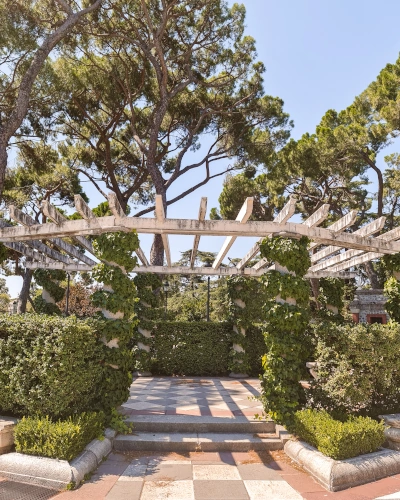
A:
(340, 225)
(53, 214)
(196, 241)
(242, 217)
(367, 230)
(27, 220)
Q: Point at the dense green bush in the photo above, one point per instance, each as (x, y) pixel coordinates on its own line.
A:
(49, 365)
(195, 348)
(336, 439)
(63, 439)
(358, 368)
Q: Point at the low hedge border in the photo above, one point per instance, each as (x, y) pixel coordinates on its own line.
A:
(336, 439)
(63, 439)
(54, 473)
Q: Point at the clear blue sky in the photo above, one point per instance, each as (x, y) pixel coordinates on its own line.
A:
(319, 55)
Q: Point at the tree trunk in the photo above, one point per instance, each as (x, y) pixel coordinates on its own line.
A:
(372, 276)
(157, 251)
(24, 294)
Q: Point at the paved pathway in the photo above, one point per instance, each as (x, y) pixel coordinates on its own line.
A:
(217, 397)
(214, 476)
(206, 476)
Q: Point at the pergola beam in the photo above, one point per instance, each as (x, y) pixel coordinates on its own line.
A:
(160, 217)
(243, 216)
(196, 241)
(27, 220)
(53, 214)
(367, 230)
(352, 260)
(192, 227)
(58, 265)
(340, 225)
(284, 215)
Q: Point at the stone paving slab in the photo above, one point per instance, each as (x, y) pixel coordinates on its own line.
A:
(193, 396)
(215, 476)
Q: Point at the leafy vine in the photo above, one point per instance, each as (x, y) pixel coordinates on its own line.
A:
(48, 280)
(285, 327)
(119, 298)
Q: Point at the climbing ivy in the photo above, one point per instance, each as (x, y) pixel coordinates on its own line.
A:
(288, 253)
(285, 327)
(331, 292)
(147, 309)
(251, 292)
(115, 250)
(47, 279)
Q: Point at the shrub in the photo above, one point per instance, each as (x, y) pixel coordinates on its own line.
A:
(63, 439)
(195, 348)
(49, 365)
(336, 439)
(358, 368)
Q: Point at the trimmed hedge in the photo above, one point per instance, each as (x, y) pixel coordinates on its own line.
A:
(62, 439)
(195, 348)
(57, 366)
(336, 439)
(358, 368)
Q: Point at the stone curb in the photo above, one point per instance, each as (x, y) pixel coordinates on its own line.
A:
(337, 475)
(53, 473)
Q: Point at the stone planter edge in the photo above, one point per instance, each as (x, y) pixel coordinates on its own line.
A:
(54, 473)
(337, 475)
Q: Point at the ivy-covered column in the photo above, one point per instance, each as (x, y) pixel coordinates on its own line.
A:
(286, 320)
(117, 301)
(49, 280)
(245, 304)
(148, 310)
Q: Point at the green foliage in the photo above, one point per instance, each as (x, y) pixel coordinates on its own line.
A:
(62, 439)
(285, 328)
(392, 293)
(116, 249)
(287, 252)
(252, 293)
(47, 279)
(50, 365)
(195, 348)
(358, 368)
(336, 439)
(332, 291)
(117, 422)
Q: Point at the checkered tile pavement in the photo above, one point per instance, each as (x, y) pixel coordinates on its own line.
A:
(194, 396)
(155, 479)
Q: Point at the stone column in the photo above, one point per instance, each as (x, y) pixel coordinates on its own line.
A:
(143, 345)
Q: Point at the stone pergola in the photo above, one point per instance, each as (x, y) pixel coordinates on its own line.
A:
(340, 250)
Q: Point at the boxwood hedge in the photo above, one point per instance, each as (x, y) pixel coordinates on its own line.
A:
(336, 439)
(51, 365)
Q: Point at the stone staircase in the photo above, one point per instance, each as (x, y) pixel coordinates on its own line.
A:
(183, 433)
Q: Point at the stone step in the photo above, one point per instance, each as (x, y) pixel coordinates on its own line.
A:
(194, 424)
(177, 442)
